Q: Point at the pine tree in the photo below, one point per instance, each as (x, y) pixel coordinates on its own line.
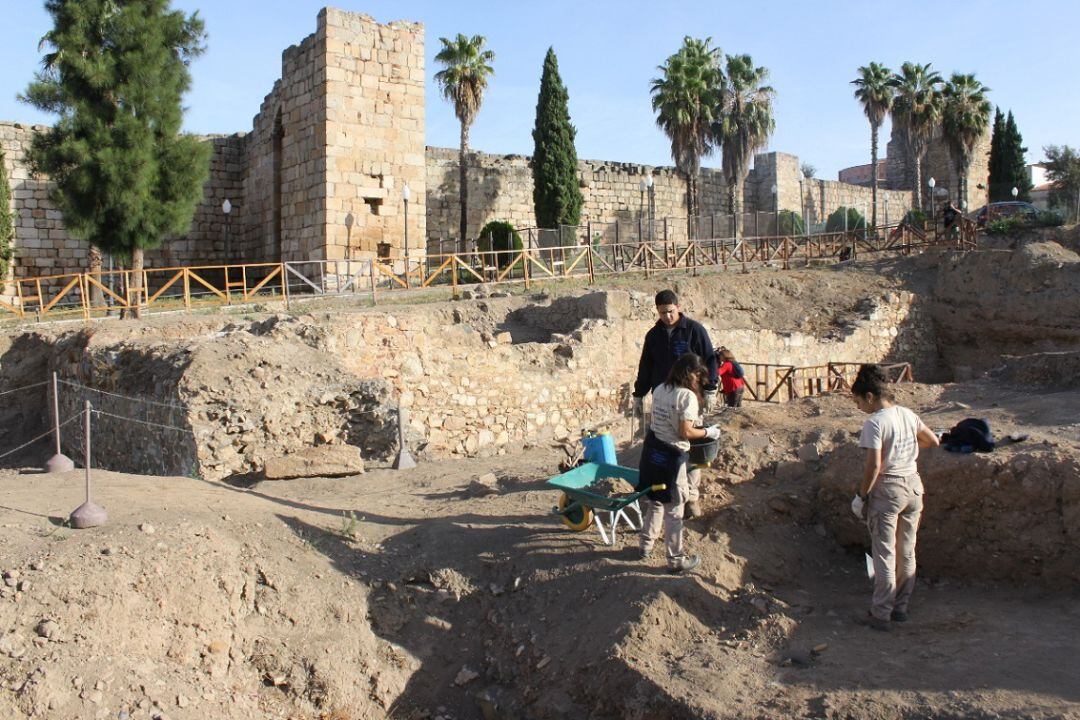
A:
(125, 178)
(7, 226)
(996, 166)
(556, 194)
(1014, 162)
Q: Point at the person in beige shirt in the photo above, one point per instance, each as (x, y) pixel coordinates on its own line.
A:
(890, 496)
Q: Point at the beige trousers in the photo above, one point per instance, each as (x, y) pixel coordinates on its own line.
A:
(667, 517)
(693, 481)
(896, 504)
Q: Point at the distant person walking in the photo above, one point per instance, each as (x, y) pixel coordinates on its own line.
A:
(674, 335)
(890, 496)
(732, 379)
(665, 455)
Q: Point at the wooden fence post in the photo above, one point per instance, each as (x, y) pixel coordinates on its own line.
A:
(285, 284)
(187, 289)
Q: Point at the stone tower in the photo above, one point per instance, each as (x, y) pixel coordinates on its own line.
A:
(334, 143)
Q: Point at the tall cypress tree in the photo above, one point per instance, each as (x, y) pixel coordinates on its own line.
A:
(556, 194)
(125, 178)
(997, 138)
(1015, 164)
(7, 227)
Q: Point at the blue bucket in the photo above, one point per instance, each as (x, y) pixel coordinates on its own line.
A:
(600, 449)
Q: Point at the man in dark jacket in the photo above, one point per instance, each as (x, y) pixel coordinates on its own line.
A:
(673, 335)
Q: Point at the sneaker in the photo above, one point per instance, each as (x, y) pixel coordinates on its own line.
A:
(692, 509)
(874, 623)
(685, 564)
(898, 616)
(644, 553)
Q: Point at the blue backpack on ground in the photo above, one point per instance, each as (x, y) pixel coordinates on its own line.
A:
(969, 435)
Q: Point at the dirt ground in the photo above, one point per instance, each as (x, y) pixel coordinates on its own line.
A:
(419, 594)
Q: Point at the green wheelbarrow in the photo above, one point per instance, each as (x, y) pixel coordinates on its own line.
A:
(578, 507)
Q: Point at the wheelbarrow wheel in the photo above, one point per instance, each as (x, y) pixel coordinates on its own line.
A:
(578, 519)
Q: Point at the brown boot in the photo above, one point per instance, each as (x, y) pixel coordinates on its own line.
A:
(692, 509)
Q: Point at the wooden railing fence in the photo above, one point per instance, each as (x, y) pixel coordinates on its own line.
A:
(90, 295)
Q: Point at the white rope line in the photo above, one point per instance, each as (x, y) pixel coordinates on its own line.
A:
(95, 411)
(45, 434)
(172, 406)
(24, 387)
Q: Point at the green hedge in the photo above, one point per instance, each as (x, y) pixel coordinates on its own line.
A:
(915, 217)
(500, 236)
(836, 223)
(790, 223)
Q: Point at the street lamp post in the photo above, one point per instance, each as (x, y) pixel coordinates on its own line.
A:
(886, 211)
(652, 203)
(802, 205)
(641, 209)
(776, 208)
(226, 207)
(931, 182)
(405, 194)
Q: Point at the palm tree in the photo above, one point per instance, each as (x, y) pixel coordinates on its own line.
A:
(685, 99)
(916, 111)
(965, 118)
(466, 69)
(874, 91)
(746, 122)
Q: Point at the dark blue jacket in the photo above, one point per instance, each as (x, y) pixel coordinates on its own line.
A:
(661, 351)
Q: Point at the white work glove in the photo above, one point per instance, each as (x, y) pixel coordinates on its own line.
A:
(710, 400)
(857, 506)
(712, 432)
(639, 407)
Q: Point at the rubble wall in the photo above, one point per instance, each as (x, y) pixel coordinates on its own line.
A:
(1012, 515)
(479, 377)
(1007, 300)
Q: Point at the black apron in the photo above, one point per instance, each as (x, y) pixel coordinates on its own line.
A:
(660, 463)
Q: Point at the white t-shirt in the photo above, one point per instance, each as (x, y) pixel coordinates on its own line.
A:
(672, 405)
(893, 430)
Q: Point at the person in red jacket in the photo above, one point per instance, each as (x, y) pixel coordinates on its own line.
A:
(731, 378)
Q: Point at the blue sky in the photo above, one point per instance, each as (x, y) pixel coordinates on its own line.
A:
(608, 52)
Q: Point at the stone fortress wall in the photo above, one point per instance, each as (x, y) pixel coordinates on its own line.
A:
(321, 173)
(938, 164)
(500, 188)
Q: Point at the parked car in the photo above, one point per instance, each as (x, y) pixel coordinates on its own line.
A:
(1002, 210)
